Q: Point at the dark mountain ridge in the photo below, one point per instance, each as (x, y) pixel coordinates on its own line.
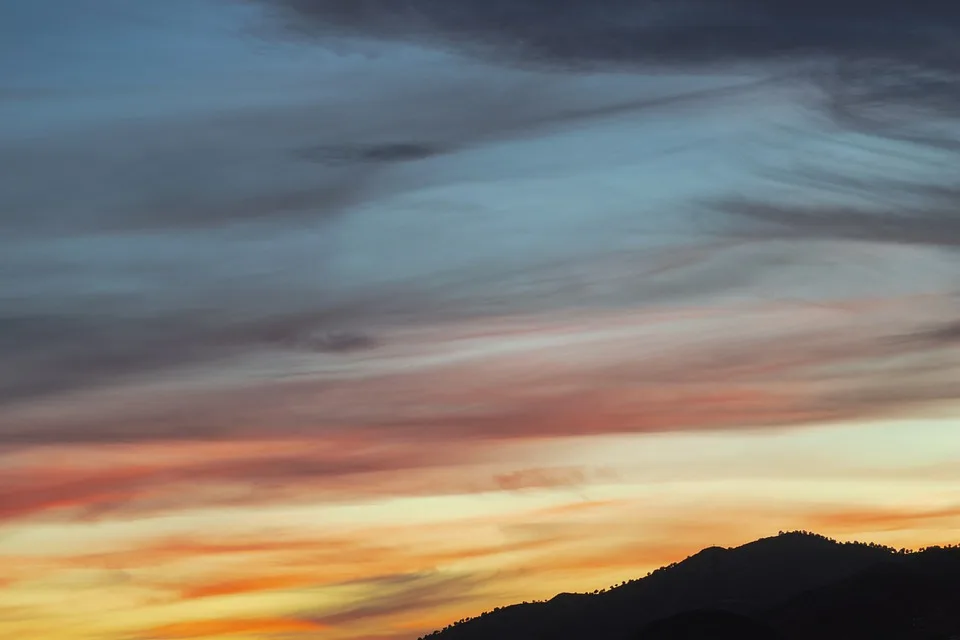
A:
(796, 585)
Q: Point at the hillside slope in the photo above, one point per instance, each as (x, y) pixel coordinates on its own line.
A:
(793, 582)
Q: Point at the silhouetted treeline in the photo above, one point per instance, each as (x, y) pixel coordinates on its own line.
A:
(763, 579)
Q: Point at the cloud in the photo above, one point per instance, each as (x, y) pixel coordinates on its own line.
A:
(169, 324)
(231, 627)
(899, 193)
(242, 586)
(310, 239)
(131, 247)
(153, 478)
(881, 519)
(64, 352)
(883, 70)
(144, 479)
(143, 247)
(625, 31)
(934, 226)
(623, 372)
(340, 342)
(386, 153)
(551, 478)
(946, 334)
(406, 594)
(306, 160)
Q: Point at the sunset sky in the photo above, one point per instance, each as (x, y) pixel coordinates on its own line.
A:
(346, 320)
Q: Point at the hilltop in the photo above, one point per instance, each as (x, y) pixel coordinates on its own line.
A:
(787, 587)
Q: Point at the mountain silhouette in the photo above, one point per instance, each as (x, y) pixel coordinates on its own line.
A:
(910, 598)
(791, 586)
(707, 625)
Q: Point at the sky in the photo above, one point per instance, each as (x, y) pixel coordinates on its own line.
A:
(347, 320)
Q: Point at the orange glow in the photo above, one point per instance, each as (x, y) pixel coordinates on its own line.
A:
(246, 585)
(883, 519)
(221, 628)
(473, 483)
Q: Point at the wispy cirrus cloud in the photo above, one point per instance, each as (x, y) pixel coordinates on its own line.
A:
(553, 378)
(882, 70)
(153, 478)
(883, 519)
(139, 248)
(410, 594)
(251, 226)
(248, 223)
(218, 628)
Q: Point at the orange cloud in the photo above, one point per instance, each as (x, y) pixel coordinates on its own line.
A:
(151, 476)
(880, 519)
(222, 628)
(32, 491)
(400, 577)
(330, 559)
(541, 478)
(246, 585)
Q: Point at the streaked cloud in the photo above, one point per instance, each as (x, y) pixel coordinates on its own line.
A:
(225, 628)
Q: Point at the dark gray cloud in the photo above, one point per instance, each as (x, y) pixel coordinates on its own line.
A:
(165, 176)
(615, 32)
(885, 69)
(926, 225)
(911, 201)
(340, 342)
(947, 334)
(374, 153)
(866, 53)
(49, 354)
